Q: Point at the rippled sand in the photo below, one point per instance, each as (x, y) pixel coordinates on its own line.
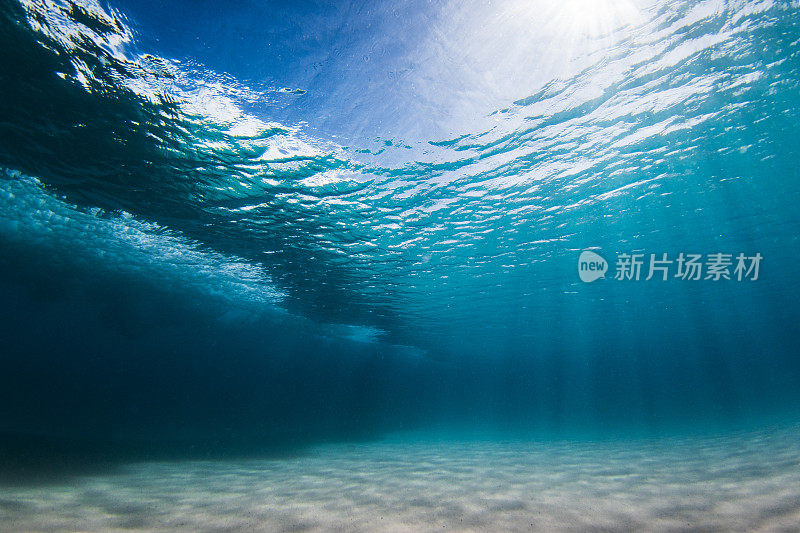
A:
(736, 483)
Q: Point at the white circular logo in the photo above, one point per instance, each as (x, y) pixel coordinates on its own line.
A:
(591, 266)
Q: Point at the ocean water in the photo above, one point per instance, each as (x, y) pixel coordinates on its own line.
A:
(326, 265)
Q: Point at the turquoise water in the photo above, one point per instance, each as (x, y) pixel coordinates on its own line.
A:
(254, 228)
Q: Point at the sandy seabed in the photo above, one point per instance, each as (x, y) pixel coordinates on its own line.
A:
(742, 482)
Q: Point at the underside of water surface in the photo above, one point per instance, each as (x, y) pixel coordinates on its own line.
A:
(399, 265)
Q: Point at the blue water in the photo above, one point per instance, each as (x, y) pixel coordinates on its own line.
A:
(265, 225)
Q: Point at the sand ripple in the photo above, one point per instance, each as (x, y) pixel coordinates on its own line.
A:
(742, 482)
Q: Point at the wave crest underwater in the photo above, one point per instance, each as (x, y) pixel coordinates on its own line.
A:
(393, 245)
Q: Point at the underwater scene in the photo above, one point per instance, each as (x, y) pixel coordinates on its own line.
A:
(337, 265)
